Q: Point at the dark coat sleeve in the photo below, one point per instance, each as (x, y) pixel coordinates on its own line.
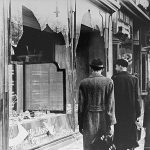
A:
(110, 105)
(81, 99)
(138, 99)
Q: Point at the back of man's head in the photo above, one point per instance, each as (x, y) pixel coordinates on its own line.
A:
(122, 62)
(97, 64)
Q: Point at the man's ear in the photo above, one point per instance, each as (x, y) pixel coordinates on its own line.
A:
(121, 67)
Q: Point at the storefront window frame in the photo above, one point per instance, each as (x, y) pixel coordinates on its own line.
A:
(64, 86)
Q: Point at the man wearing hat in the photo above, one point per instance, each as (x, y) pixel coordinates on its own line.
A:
(96, 108)
(127, 107)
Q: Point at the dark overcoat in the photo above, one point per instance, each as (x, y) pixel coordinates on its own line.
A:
(96, 108)
(127, 109)
(146, 123)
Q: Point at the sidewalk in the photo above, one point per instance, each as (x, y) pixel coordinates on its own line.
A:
(78, 144)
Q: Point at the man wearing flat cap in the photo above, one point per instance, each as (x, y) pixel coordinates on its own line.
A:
(96, 108)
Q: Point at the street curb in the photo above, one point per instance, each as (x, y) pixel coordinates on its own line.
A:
(59, 143)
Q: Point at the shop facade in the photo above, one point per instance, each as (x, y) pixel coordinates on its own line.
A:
(52, 44)
(128, 39)
(4, 107)
(145, 60)
(46, 51)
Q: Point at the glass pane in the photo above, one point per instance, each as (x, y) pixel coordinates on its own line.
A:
(44, 87)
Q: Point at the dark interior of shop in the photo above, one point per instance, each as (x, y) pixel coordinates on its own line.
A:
(90, 46)
(38, 45)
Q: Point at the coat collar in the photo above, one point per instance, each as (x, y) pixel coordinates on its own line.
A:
(122, 72)
(95, 74)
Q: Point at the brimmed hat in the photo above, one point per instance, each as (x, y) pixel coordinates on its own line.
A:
(97, 63)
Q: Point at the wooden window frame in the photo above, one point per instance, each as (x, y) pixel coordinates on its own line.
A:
(64, 86)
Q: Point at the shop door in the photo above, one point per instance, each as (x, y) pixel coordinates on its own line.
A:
(82, 53)
(90, 46)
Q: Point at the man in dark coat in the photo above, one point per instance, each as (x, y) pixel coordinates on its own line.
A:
(146, 123)
(96, 108)
(127, 104)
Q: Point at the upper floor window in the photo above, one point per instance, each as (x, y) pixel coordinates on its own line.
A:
(121, 15)
(124, 18)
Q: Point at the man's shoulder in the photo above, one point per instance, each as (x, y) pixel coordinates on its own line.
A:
(109, 79)
(132, 76)
(124, 74)
(115, 76)
(102, 78)
(105, 80)
(83, 81)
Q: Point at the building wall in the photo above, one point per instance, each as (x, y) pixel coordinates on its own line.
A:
(110, 49)
(99, 22)
(123, 39)
(98, 47)
(4, 105)
(1, 70)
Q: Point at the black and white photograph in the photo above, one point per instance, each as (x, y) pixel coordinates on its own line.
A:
(75, 75)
